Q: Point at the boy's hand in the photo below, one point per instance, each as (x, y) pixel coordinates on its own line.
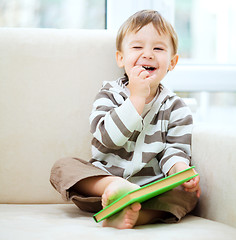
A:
(139, 85)
(193, 185)
(190, 186)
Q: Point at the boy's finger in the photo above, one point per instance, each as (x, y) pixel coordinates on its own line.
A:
(192, 189)
(137, 70)
(144, 74)
(199, 192)
(190, 184)
(151, 78)
(197, 179)
(194, 181)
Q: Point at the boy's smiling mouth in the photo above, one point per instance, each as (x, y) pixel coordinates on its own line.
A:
(149, 68)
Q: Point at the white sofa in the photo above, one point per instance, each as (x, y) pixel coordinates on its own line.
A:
(48, 80)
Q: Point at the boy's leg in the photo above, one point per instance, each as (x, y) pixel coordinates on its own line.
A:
(109, 188)
(173, 205)
(86, 185)
(67, 172)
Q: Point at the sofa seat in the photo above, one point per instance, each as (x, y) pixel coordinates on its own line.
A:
(65, 221)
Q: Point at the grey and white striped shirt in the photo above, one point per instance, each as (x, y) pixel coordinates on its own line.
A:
(140, 149)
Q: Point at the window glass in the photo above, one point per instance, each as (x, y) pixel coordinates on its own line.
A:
(206, 30)
(207, 35)
(53, 13)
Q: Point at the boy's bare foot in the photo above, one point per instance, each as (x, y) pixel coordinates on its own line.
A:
(130, 216)
(116, 189)
(126, 219)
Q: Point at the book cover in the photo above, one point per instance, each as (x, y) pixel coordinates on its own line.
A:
(146, 192)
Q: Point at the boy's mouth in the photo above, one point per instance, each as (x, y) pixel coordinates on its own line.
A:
(149, 68)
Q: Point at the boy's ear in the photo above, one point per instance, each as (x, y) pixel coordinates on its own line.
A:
(119, 59)
(173, 62)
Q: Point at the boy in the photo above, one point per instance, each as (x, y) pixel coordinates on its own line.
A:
(141, 132)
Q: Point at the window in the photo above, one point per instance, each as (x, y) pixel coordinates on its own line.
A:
(53, 13)
(206, 28)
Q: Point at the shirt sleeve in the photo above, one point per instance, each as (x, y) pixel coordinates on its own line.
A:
(113, 122)
(178, 136)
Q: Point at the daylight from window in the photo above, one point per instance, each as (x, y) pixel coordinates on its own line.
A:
(206, 28)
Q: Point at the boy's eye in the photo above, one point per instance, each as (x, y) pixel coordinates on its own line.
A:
(137, 47)
(158, 49)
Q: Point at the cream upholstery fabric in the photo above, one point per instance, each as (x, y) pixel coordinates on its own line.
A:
(214, 153)
(65, 221)
(48, 80)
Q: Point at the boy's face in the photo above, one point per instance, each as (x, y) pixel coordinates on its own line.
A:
(149, 50)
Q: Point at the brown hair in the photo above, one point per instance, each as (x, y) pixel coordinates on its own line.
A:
(143, 18)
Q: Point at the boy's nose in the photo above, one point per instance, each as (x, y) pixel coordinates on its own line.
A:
(148, 54)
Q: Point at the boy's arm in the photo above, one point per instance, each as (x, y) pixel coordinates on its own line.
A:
(113, 120)
(178, 136)
(177, 154)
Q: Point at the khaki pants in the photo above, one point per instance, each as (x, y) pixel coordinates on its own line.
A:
(67, 172)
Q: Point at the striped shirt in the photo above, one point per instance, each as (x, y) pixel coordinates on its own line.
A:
(140, 149)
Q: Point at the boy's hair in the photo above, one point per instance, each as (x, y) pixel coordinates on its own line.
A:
(143, 18)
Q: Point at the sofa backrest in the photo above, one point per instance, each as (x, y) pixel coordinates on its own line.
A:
(48, 81)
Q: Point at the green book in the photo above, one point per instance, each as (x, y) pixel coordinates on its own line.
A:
(146, 192)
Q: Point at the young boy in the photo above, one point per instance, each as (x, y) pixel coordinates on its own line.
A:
(141, 132)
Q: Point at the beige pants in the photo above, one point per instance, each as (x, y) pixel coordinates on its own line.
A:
(67, 172)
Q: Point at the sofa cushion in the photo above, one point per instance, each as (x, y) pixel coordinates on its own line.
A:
(66, 221)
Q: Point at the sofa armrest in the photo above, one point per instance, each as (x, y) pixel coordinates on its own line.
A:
(213, 154)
